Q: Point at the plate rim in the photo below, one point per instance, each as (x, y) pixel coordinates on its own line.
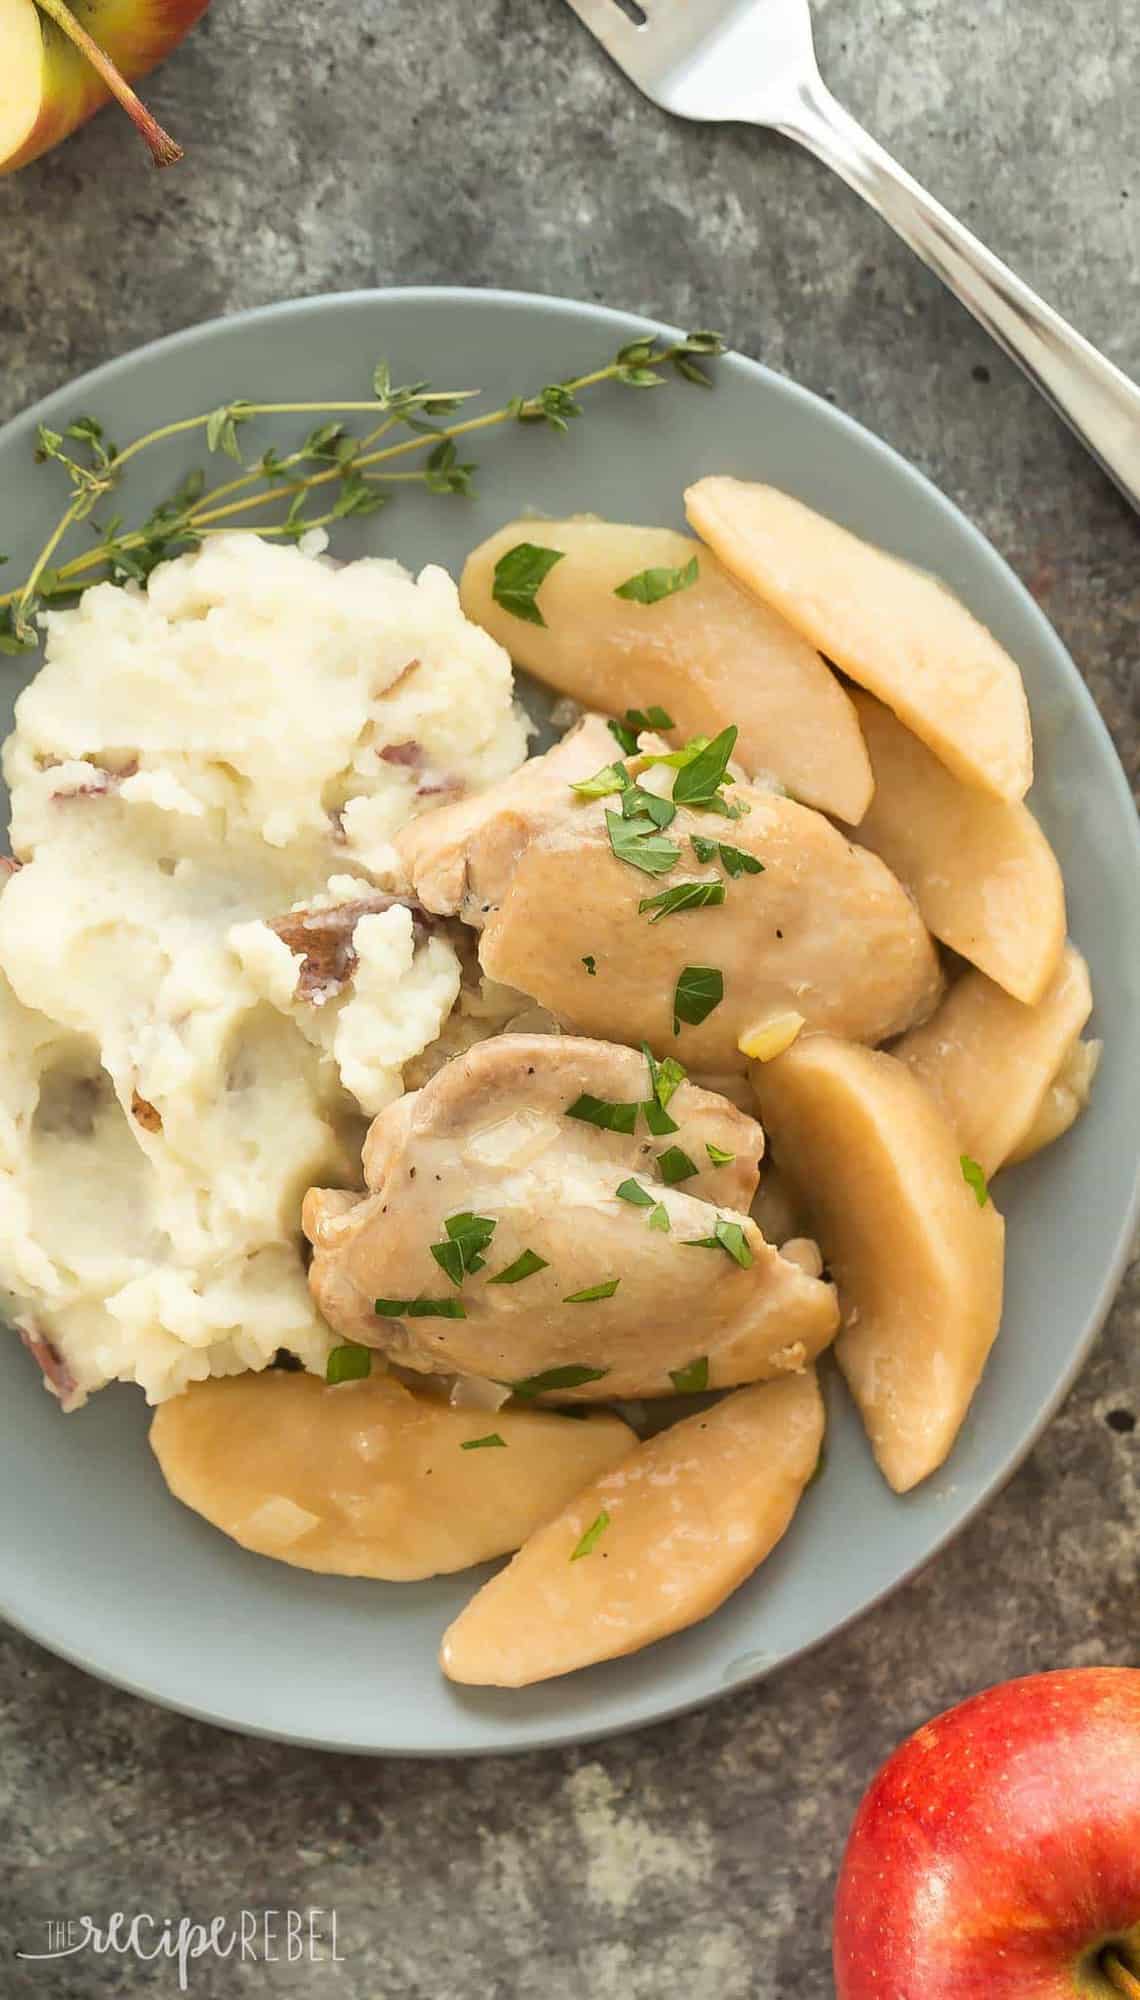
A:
(553, 1736)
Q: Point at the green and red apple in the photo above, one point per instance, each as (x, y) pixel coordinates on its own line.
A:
(59, 62)
(996, 1856)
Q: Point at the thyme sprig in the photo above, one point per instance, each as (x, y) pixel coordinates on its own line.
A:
(345, 471)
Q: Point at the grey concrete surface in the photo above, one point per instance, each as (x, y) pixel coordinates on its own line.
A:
(369, 142)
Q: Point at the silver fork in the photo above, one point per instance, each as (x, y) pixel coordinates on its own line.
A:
(754, 61)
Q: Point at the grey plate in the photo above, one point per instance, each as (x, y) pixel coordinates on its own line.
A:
(107, 1569)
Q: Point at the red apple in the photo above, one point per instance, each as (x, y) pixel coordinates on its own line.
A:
(60, 62)
(996, 1856)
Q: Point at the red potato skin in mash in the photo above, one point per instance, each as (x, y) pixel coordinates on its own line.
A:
(58, 1378)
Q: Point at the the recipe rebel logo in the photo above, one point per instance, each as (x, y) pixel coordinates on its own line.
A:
(250, 1937)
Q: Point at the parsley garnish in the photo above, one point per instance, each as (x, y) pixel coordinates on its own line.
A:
(974, 1178)
(685, 755)
(591, 965)
(592, 1536)
(690, 1380)
(651, 585)
(524, 1266)
(640, 842)
(611, 778)
(674, 1165)
(421, 1308)
(727, 1236)
(717, 1155)
(635, 720)
(699, 989)
(467, 1236)
(638, 800)
(632, 1191)
(664, 1077)
(734, 860)
(658, 1119)
(624, 736)
(653, 717)
(600, 1111)
(518, 576)
(698, 782)
(571, 1376)
(605, 1290)
(659, 1218)
(683, 896)
(484, 1444)
(350, 1363)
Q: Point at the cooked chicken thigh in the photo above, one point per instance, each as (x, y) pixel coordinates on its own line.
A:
(457, 850)
(822, 929)
(508, 1234)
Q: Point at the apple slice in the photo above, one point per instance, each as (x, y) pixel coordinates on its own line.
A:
(893, 629)
(651, 1547)
(56, 70)
(708, 654)
(1067, 1096)
(917, 1262)
(367, 1479)
(990, 1063)
(980, 869)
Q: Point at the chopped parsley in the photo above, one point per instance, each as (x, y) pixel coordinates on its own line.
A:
(684, 896)
(698, 781)
(627, 731)
(602, 1112)
(659, 1218)
(350, 1363)
(592, 1536)
(734, 860)
(632, 1191)
(685, 755)
(484, 1444)
(638, 800)
(974, 1178)
(524, 1266)
(611, 778)
(673, 1165)
(624, 737)
(641, 842)
(699, 989)
(421, 1308)
(571, 1376)
(519, 575)
(651, 585)
(591, 965)
(653, 717)
(658, 1119)
(717, 1155)
(664, 1077)
(727, 1236)
(605, 1290)
(690, 1380)
(467, 1235)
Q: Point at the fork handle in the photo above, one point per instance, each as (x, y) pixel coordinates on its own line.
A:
(1095, 399)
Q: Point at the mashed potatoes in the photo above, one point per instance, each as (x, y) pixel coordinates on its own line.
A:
(202, 991)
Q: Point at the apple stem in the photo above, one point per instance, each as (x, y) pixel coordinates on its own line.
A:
(164, 150)
(1126, 1982)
